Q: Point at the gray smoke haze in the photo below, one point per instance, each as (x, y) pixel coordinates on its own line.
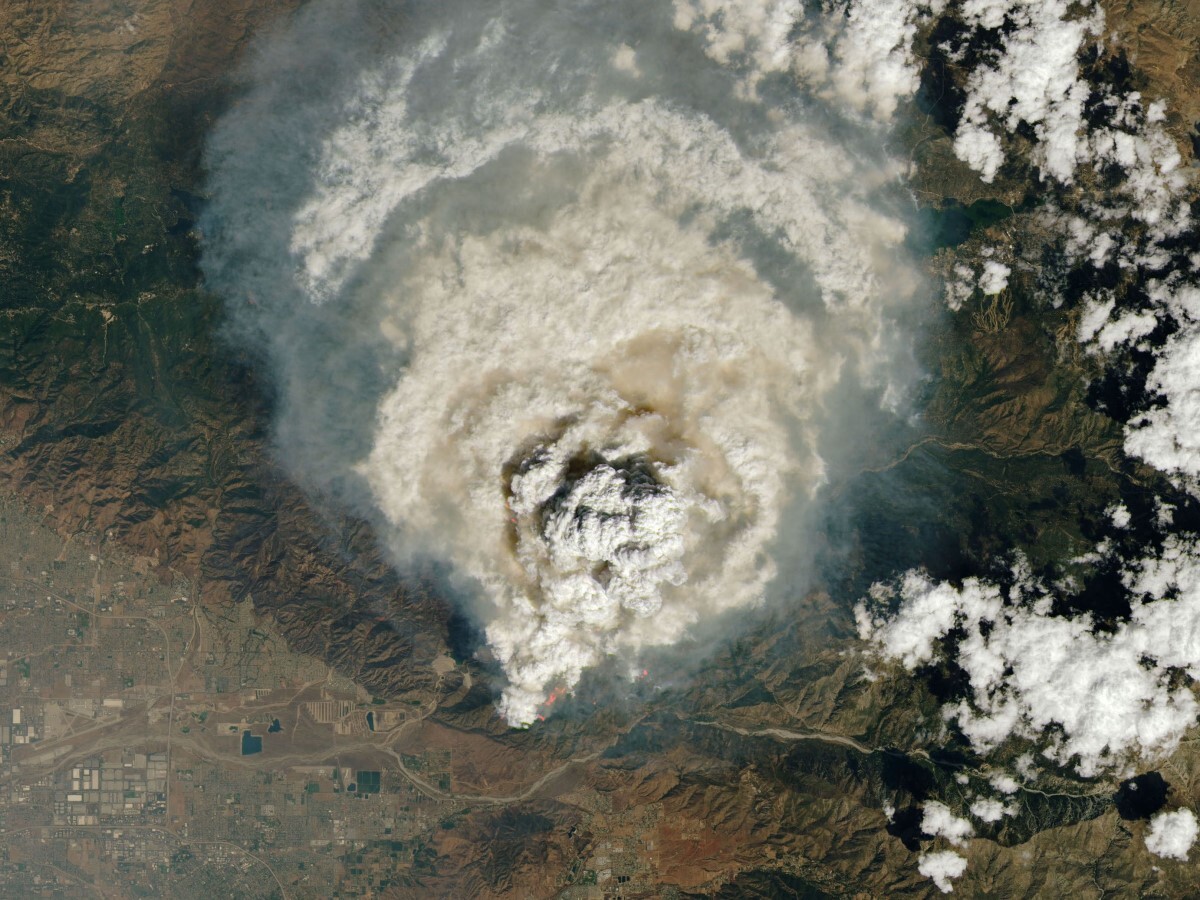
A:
(587, 300)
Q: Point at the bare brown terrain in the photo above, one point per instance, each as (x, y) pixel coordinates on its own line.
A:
(156, 555)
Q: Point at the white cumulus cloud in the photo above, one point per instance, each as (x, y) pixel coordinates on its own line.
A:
(938, 821)
(1033, 79)
(990, 810)
(994, 278)
(942, 866)
(1172, 834)
(1111, 695)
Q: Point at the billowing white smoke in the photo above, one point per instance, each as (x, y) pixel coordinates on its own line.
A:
(596, 415)
(604, 289)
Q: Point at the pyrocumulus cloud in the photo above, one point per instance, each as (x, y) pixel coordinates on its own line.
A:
(565, 288)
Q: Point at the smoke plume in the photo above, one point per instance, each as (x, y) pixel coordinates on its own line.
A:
(561, 293)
